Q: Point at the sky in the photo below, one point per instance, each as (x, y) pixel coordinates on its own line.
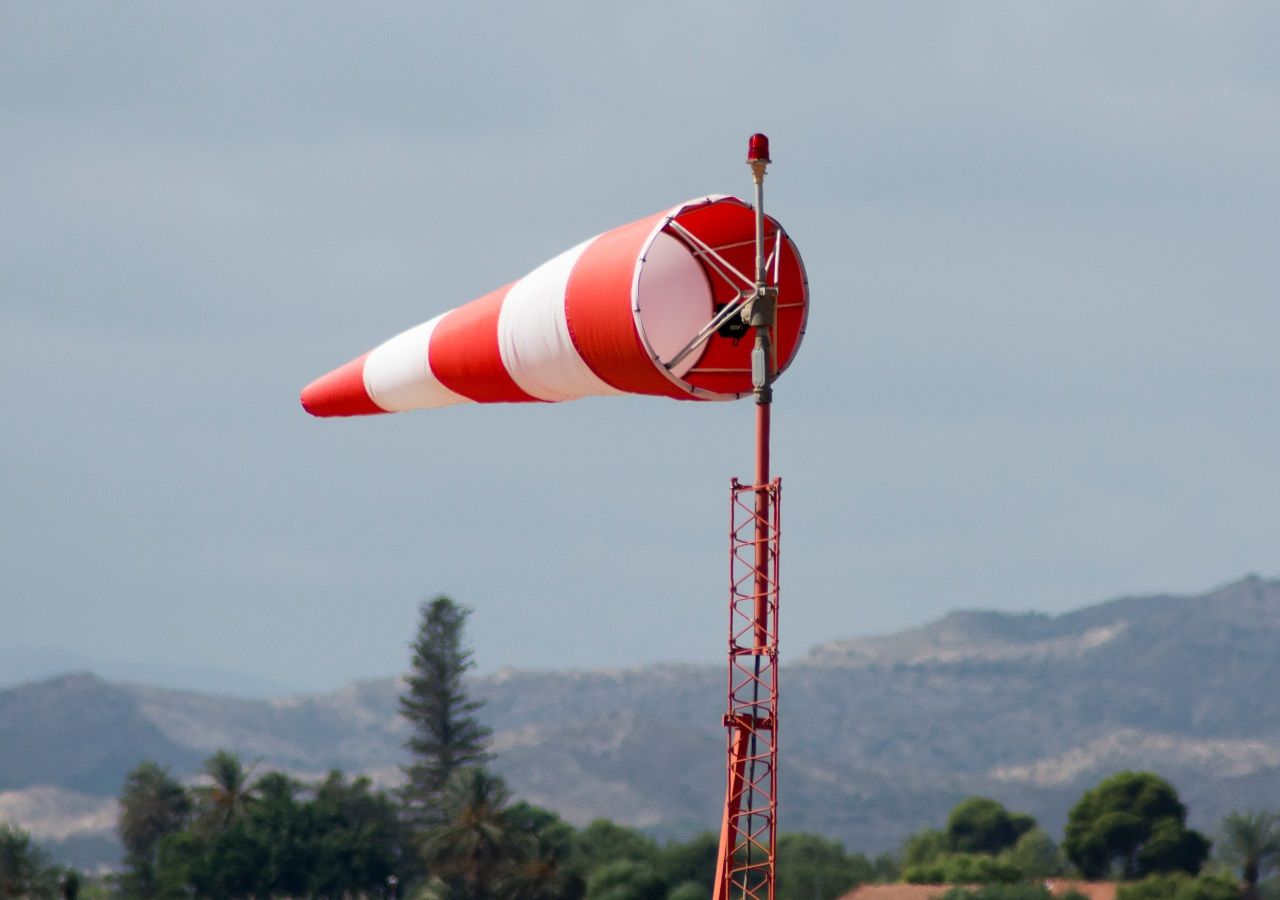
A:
(1041, 366)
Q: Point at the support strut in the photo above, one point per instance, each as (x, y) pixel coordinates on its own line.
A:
(745, 868)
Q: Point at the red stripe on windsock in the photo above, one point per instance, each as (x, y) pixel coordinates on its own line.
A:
(464, 353)
(340, 393)
(597, 305)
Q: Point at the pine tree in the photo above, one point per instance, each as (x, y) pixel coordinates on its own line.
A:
(446, 735)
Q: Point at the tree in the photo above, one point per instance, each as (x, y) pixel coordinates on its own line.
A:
(1180, 886)
(982, 825)
(356, 836)
(24, 867)
(153, 805)
(1008, 892)
(978, 830)
(812, 867)
(446, 736)
(1250, 841)
(923, 847)
(694, 860)
(1036, 855)
(543, 868)
(1135, 820)
(228, 796)
(625, 879)
(283, 830)
(964, 868)
(68, 882)
(343, 841)
(604, 841)
(690, 890)
(473, 847)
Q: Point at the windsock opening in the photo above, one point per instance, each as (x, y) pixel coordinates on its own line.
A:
(674, 300)
(718, 235)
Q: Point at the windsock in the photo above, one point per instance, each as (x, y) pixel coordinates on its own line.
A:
(630, 311)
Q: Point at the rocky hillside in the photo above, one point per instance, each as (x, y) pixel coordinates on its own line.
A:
(880, 735)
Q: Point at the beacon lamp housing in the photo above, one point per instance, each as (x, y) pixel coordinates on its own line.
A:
(758, 149)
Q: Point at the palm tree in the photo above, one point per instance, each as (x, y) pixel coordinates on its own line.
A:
(228, 796)
(1251, 840)
(474, 845)
(543, 869)
(152, 805)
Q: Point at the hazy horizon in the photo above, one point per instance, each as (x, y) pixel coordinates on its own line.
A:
(20, 664)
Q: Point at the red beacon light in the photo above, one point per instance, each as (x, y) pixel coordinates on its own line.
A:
(758, 148)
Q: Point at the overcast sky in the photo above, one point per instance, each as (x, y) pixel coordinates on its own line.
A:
(1041, 367)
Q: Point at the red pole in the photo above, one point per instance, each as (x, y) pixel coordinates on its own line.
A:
(761, 317)
(748, 839)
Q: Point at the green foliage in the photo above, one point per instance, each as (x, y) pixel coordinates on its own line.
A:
(625, 879)
(98, 889)
(1025, 891)
(1000, 892)
(982, 825)
(356, 836)
(342, 840)
(1180, 886)
(923, 847)
(544, 868)
(963, 868)
(24, 867)
(811, 867)
(603, 842)
(67, 882)
(984, 843)
(691, 890)
(153, 805)
(446, 736)
(1250, 841)
(885, 868)
(694, 860)
(474, 842)
(1036, 855)
(1135, 820)
(228, 796)
(483, 849)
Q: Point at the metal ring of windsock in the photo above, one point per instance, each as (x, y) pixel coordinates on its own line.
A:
(653, 307)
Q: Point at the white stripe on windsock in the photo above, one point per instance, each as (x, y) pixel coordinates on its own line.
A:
(398, 376)
(533, 335)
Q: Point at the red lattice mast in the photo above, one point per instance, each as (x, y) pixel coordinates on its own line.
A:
(748, 830)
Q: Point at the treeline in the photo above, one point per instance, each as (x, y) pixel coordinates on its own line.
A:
(269, 835)
(238, 836)
(276, 837)
(27, 871)
(1131, 828)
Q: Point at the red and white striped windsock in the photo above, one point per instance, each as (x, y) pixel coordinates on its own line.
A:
(614, 315)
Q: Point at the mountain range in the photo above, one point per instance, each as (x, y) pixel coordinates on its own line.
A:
(879, 737)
